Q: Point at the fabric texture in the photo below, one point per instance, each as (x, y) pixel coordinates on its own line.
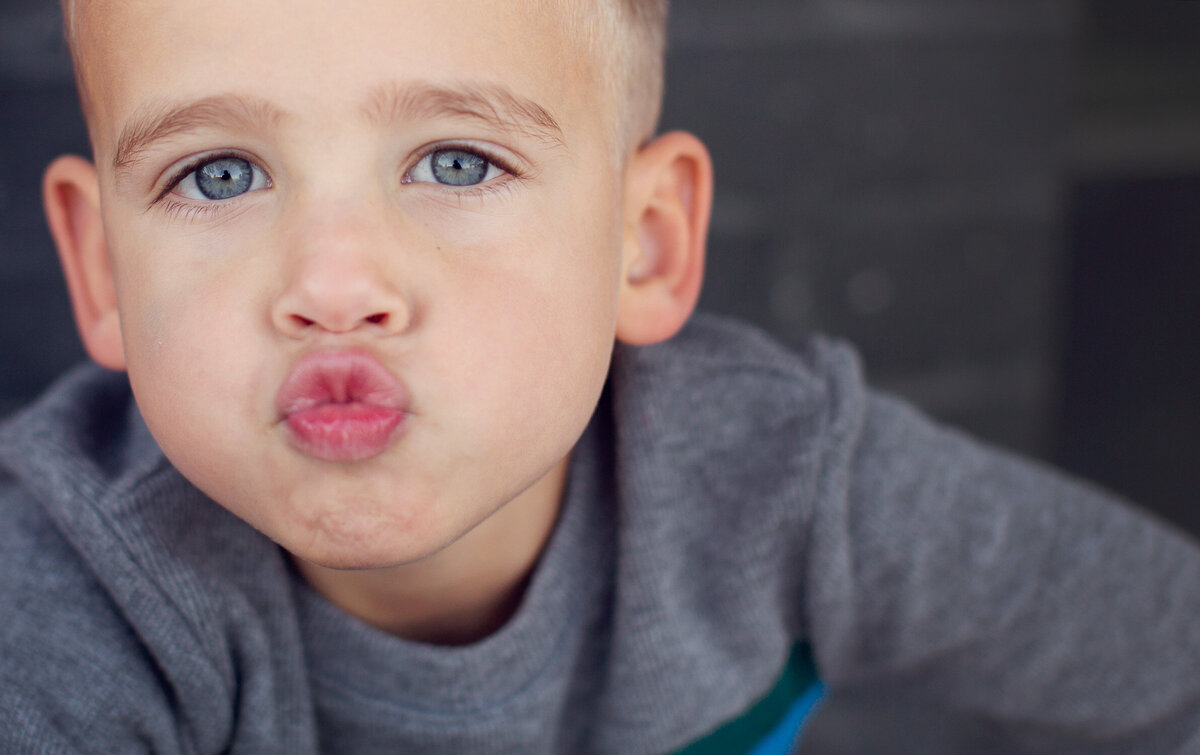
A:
(729, 500)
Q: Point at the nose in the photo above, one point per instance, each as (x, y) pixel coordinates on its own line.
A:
(337, 282)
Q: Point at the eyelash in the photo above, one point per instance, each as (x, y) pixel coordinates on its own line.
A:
(193, 209)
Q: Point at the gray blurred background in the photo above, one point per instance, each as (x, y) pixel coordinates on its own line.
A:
(997, 200)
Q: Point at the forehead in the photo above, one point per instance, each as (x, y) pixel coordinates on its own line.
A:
(313, 54)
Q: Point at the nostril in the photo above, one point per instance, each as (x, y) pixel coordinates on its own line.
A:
(297, 324)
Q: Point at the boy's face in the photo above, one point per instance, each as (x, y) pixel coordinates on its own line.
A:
(367, 255)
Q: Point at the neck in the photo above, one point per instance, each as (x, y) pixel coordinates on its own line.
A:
(462, 593)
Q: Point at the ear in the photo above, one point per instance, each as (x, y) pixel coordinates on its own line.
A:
(71, 195)
(668, 198)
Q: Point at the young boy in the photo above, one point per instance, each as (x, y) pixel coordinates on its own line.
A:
(379, 481)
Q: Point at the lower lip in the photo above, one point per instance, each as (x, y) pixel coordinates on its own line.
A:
(344, 432)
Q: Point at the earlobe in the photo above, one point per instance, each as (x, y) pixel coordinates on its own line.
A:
(71, 196)
(668, 199)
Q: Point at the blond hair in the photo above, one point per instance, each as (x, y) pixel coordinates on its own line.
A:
(626, 38)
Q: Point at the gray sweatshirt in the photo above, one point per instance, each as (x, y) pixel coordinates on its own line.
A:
(737, 515)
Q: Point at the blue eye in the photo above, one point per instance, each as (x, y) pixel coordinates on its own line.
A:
(222, 178)
(454, 167)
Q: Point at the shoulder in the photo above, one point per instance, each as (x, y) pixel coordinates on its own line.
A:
(725, 398)
(714, 349)
(726, 445)
(69, 581)
(720, 443)
(45, 580)
(64, 644)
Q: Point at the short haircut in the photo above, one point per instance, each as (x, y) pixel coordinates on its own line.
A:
(626, 38)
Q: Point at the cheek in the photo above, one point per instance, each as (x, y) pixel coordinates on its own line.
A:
(188, 345)
(184, 329)
(184, 297)
(535, 339)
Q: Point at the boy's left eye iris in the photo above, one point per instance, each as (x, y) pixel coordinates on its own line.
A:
(455, 167)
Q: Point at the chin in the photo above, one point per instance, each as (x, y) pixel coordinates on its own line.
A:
(360, 559)
(359, 532)
(347, 561)
(374, 548)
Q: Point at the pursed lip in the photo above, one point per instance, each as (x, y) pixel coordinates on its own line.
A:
(342, 405)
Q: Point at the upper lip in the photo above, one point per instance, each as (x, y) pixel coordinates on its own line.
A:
(350, 376)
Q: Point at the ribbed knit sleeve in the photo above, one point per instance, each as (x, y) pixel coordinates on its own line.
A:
(956, 572)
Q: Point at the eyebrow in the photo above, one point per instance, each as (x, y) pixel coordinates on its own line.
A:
(165, 121)
(489, 104)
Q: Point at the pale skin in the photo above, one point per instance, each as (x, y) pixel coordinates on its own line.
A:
(496, 305)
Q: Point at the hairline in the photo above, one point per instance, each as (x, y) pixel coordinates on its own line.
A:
(625, 37)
